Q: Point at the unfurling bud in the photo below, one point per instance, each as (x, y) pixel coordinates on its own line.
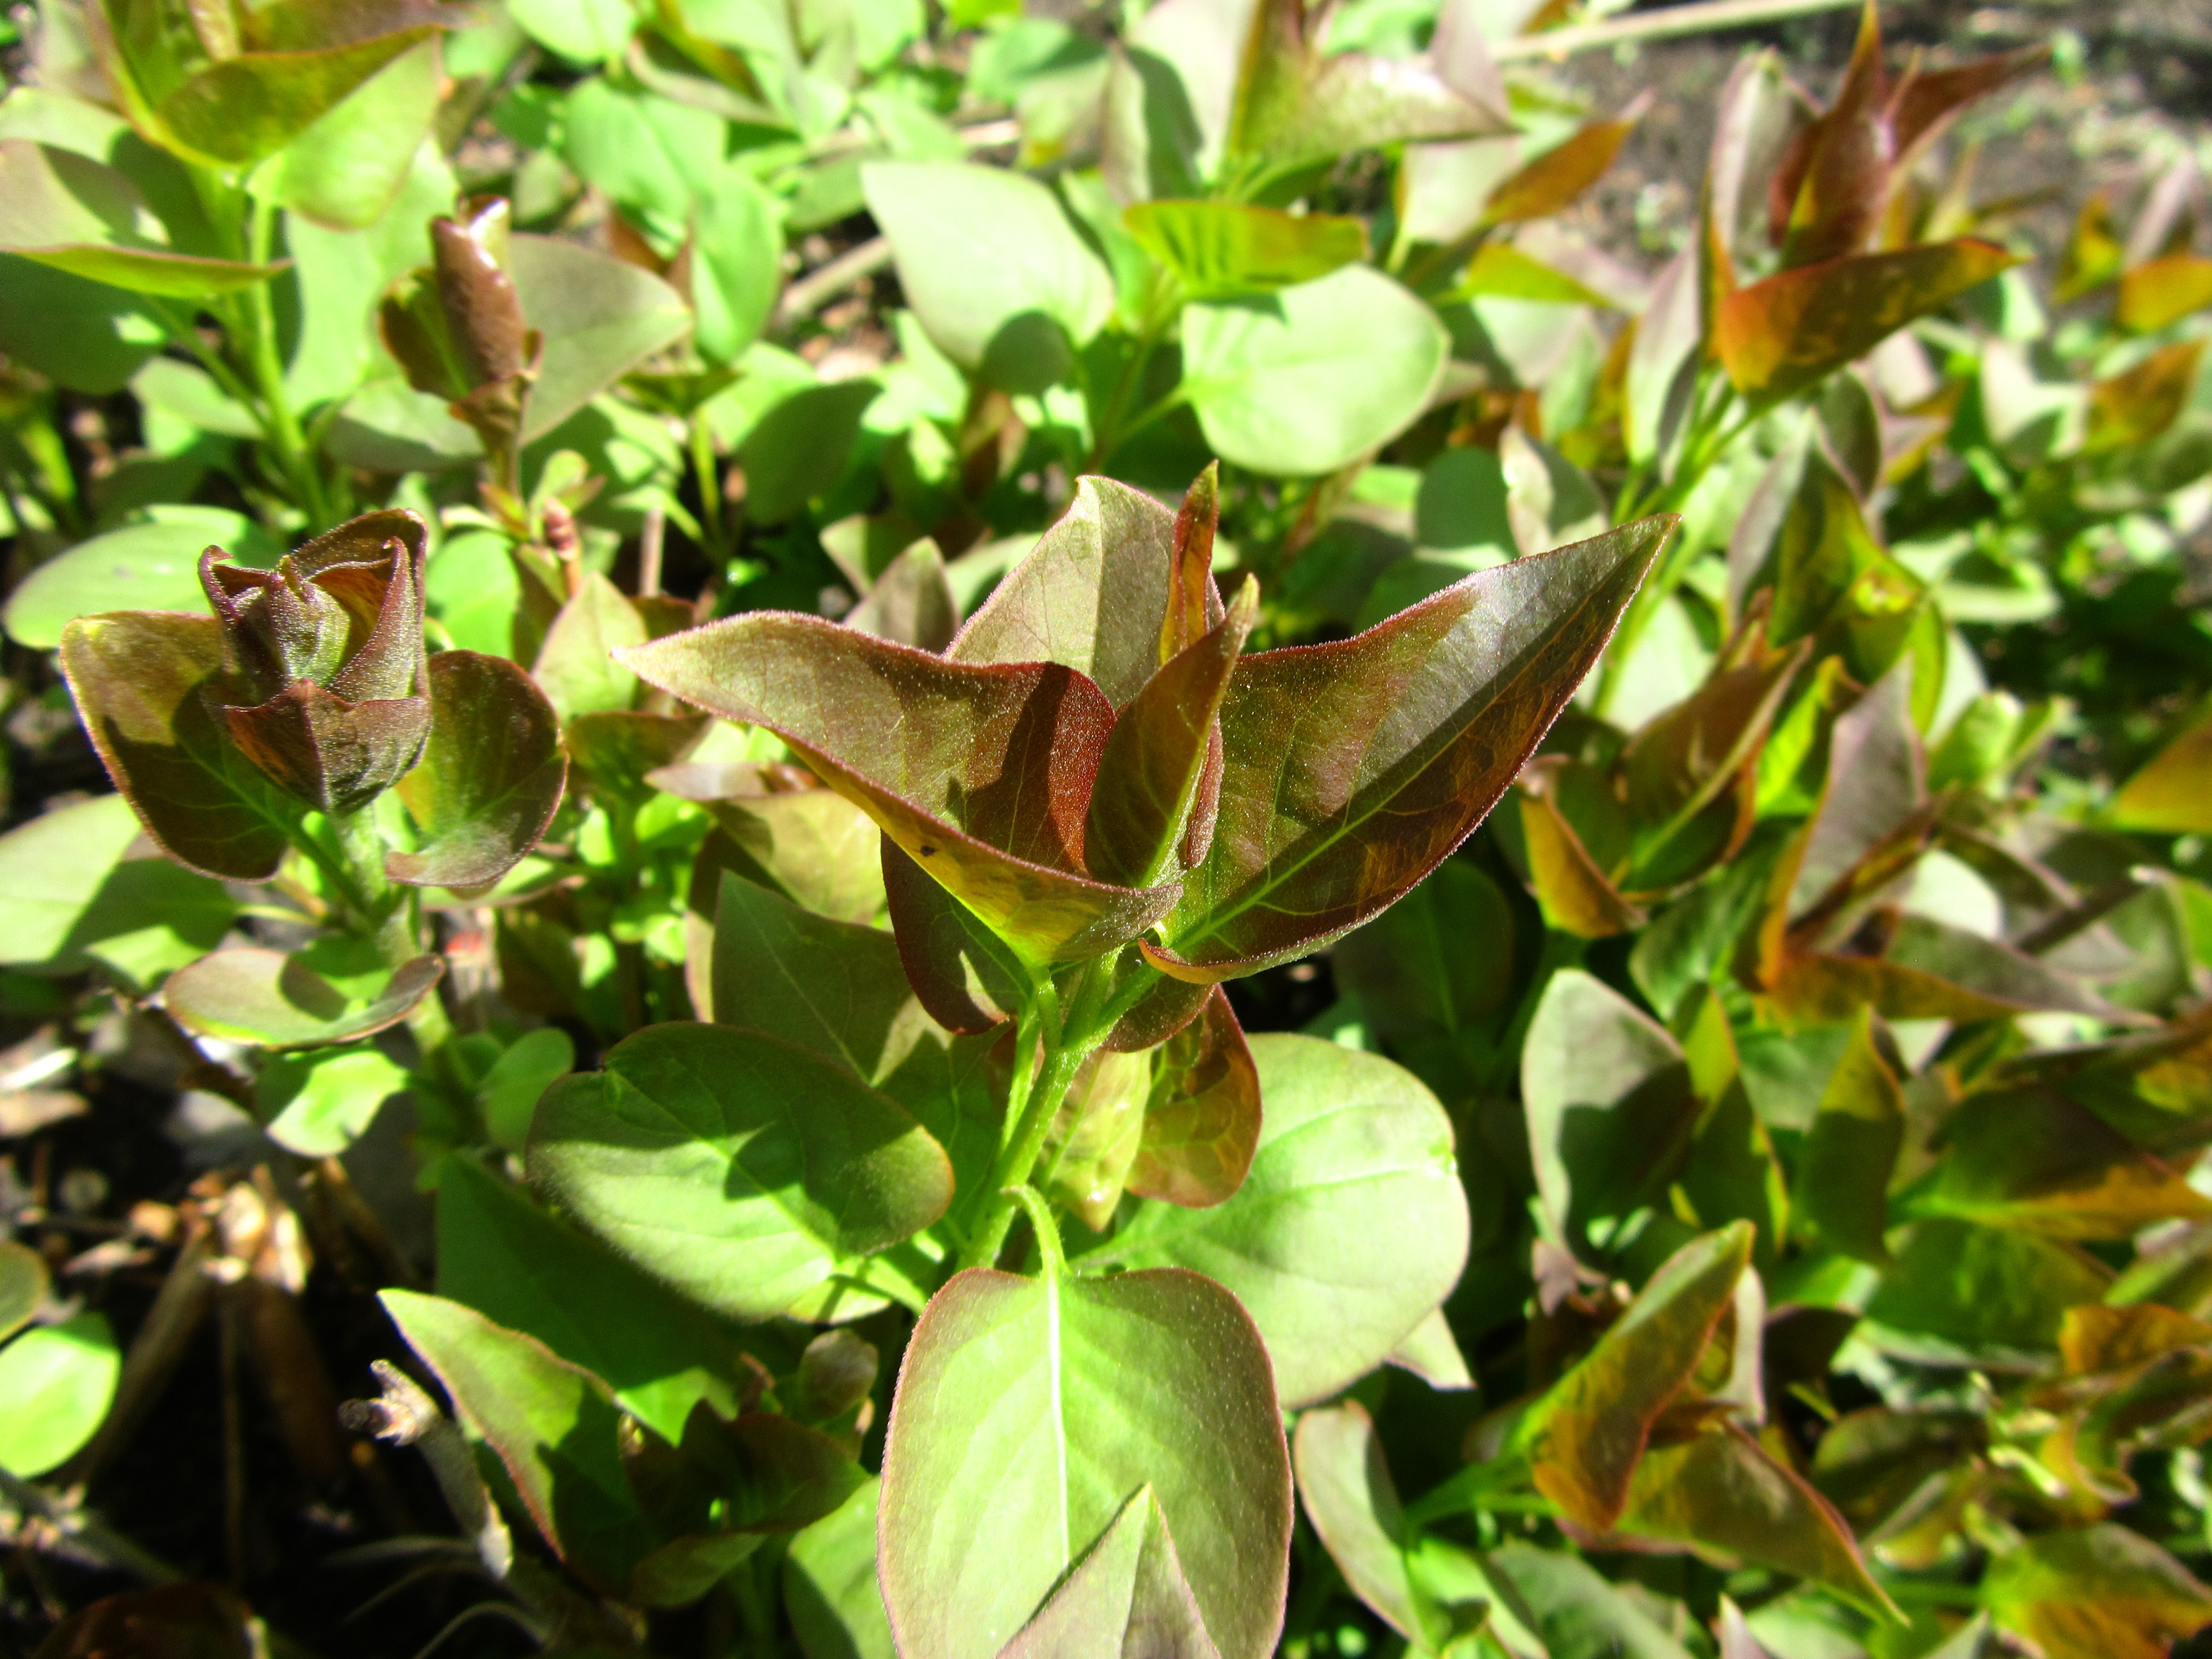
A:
(331, 641)
(458, 329)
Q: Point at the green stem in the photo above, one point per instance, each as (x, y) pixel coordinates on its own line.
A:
(391, 915)
(1031, 1109)
(278, 420)
(710, 487)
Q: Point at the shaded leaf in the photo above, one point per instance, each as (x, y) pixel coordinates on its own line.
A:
(1352, 768)
(963, 973)
(1578, 1613)
(1585, 1439)
(911, 602)
(1965, 1294)
(598, 319)
(1574, 895)
(1781, 335)
(141, 566)
(832, 987)
(2100, 1592)
(1349, 1229)
(829, 1589)
(1844, 1172)
(1202, 1123)
(1037, 1380)
(23, 1285)
(491, 776)
(70, 893)
(1353, 1504)
(738, 1168)
(269, 1000)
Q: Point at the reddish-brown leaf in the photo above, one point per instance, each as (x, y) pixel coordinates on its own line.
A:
(1203, 1123)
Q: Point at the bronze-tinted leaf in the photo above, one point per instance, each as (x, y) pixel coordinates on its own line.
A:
(2101, 1592)
(980, 773)
(2163, 290)
(2172, 792)
(1585, 1437)
(1926, 101)
(1843, 1174)
(1148, 782)
(147, 684)
(491, 776)
(1928, 969)
(1555, 178)
(2138, 403)
(911, 602)
(1837, 175)
(1352, 768)
(1574, 895)
(2095, 1338)
(335, 755)
(1202, 1123)
(1719, 1490)
(1777, 337)
(960, 972)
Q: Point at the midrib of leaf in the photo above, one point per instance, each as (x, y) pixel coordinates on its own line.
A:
(1348, 825)
(737, 1140)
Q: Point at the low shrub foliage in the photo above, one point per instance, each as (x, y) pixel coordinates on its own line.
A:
(1329, 921)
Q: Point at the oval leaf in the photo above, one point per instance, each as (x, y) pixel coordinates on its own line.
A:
(272, 1000)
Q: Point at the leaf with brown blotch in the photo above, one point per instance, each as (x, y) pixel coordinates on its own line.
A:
(491, 776)
(1719, 1490)
(1351, 769)
(1837, 175)
(1146, 791)
(1777, 337)
(147, 685)
(1584, 1438)
(980, 773)
(2163, 290)
(1684, 758)
(1092, 595)
(1555, 180)
(1202, 1123)
(957, 966)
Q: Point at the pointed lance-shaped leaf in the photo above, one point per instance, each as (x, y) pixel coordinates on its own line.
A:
(1558, 177)
(1149, 778)
(1352, 769)
(146, 683)
(1202, 1123)
(491, 775)
(964, 973)
(980, 773)
(2163, 290)
(1585, 1437)
(1837, 174)
(1777, 337)
(1127, 1596)
(1926, 101)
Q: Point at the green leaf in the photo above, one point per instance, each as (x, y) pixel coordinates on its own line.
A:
(23, 1285)
(2171, 795)
(1410, 966)
(69, 894)
(1963, 1294)
(1311, 377)
(1720, 1490)
(2097, 1592)
(1349, 1229)
(56, 1384)
(1779, 335)
(1352, 768)
(1585, 1437)
(833, 988)
(1578, 1613)
(1353, 1504)
(799, 451)
(1607, 1094)
(143, 567)
(84, 335)
(584, 31)
(503, 1256)
(978, 247)
(829, 1589)
(1074, 1393)
(320, 1105)
(1844, 1172)
(553, 1424)
(599, 316)
(71, 212)
(965, 975)
(269, 1000)
(911, 602)
(143, 682)
(736, 264)
(508, 1093)
(1217, 249)
(813, 846)
(344, 169)
(746, 1172)
(1129, 1591)
(491, 775)
(577, 668)
(981, 773)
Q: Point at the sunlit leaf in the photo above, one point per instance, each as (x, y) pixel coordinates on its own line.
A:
(1781, 335)
(56, 1384)
(2163, 290)
(1202, 1125)
(1353, 1504)
(272, 1000)
(2171, 795)
(2098, 1592)
(1076, 1393)
(70, 212)
(491, 776)
(1555, 180)
(1352, 768)
(1221, 248)
(1128, 1591)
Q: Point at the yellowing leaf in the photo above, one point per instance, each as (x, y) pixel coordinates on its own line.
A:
(2162, 291)
(2172, 794)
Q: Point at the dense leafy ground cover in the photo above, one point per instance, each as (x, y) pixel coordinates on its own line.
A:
(842, 829)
